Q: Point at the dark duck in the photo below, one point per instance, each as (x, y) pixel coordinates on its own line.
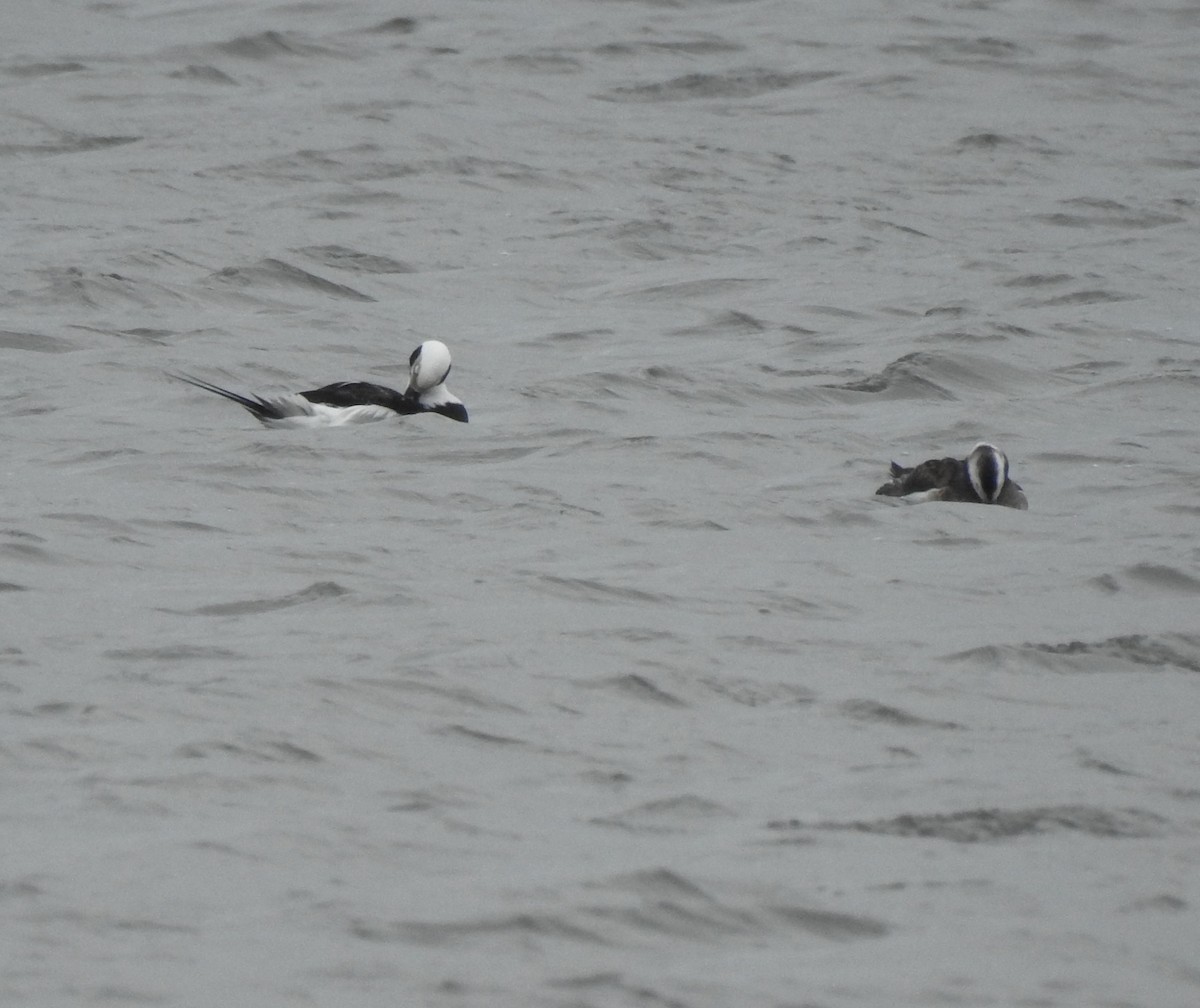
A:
(980, 478)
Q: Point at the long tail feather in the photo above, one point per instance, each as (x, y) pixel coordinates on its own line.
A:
(260, 408)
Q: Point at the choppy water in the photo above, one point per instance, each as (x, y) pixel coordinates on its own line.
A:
(629, 693)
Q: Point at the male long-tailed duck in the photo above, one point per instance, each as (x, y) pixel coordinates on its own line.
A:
(357, 402)
(980, 478)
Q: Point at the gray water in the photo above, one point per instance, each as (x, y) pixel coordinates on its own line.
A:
(628, 693)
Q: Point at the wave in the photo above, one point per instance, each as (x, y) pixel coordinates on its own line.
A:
(1179, 651)
(252, 607)
(979, 825)
(630, 910)
(734, 84)
(941, 376)
(271, 274)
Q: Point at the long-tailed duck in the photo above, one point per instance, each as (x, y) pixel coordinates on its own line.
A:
(980, 478)
(357, 402)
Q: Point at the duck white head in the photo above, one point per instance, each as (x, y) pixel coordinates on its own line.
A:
(428, 367)
(987, 469)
